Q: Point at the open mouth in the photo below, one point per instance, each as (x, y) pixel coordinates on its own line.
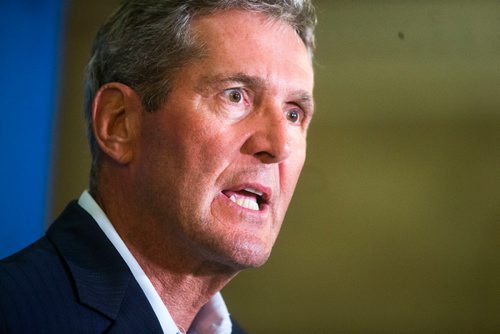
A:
(248, 198)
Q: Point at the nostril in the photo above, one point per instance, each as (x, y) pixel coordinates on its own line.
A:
(264, 154)
(266, 157)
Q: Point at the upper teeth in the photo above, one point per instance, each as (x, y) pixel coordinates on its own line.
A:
(246, 202)
(253, 191)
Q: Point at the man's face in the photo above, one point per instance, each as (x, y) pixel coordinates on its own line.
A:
(217, 165)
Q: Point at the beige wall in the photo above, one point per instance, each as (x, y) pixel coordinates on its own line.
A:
(395, 226)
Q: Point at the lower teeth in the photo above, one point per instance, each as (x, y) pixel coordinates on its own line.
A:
(245, 203)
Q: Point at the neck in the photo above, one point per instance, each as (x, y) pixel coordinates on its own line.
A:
(184, 281)
(183, 293)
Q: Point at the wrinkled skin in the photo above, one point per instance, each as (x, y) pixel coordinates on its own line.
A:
(236, 118)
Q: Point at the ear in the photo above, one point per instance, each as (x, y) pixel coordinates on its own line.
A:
(115, 121)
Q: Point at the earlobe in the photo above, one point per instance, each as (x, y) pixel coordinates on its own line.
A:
(115, 118)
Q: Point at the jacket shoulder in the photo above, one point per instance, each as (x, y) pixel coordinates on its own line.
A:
(38, 293)
(30, 269)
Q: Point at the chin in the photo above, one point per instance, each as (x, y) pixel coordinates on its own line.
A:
(249, 256)
(237, 248)
(241, 256)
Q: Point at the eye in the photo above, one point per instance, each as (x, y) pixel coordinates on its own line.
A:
(234, 95)
(294, 116)
(235, 102)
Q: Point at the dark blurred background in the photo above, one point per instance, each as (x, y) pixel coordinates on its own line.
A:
(395, 225)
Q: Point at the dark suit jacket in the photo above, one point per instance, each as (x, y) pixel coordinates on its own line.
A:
(73, 281)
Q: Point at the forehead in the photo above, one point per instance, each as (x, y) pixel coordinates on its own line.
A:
(237, 41)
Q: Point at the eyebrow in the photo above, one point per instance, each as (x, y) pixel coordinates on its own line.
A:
(302, 97)
(243, 78)
(305, 100)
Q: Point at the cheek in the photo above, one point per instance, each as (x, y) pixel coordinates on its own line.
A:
(290, 170)
(207, 152)
(201, 157)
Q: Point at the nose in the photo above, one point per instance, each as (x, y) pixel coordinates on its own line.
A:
(270, 139)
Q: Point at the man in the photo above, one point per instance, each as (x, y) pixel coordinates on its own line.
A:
(198, 113)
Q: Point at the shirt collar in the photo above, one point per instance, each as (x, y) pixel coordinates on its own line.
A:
(213, 317)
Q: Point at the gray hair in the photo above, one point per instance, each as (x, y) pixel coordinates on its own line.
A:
(145, 42)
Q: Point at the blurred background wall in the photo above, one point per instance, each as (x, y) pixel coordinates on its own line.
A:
(31, 34)
(395, 225)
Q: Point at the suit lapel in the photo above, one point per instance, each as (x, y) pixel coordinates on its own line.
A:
(102, 279)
